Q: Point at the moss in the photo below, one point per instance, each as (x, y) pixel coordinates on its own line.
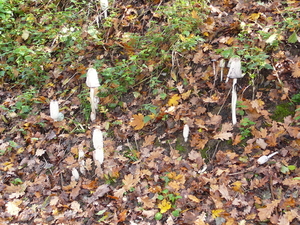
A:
(180, 146)
(283, 110)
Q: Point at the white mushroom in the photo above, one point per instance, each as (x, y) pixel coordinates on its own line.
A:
(92, 82)
(98, 153)
(263, 159)
(186, 131)
(75, 174)
(235, 72)
(54, 111)
(104, 6)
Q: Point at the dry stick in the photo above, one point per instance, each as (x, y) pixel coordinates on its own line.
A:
(224, 102)
(272, 193)
(215, 151)
(215, 73)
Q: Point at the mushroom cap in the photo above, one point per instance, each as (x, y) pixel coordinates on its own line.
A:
(92, 78)
(98, 139)
(235, 68)
(263, 159)
(54, 109)
(222, 63)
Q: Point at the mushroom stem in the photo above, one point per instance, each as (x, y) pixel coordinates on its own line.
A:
(233, 101)
(93, 103)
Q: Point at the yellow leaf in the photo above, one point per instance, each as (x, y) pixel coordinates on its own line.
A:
(173, 101)
(164, 206)
(254, 16)
(194, 198)
(182, 38)
(137, 121)
(217, 212)
(195, 15)
(236, 186)
(186, 95)
(173, 75)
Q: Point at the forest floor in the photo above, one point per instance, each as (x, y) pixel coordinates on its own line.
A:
(150, 175)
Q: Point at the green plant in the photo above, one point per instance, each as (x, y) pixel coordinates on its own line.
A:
(131, 154)
(287, 169)
(245, 129)
(168, 199)
(17, 181)
(23, 104)
(33, 36)
(240, 108)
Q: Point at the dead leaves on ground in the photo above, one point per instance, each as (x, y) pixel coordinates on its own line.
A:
(144, 170)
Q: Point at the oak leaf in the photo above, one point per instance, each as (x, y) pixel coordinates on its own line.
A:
(223, 136)
(261, 143)
(224, 192)
(265, 213)
(296, 70)
(148, 202)
(149, 140)
(173, 101)
(137, 121)
(129, 181)
(185, 95)
(193, 155)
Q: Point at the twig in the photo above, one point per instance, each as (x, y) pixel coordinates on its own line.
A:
(224, 101)
(215, 151)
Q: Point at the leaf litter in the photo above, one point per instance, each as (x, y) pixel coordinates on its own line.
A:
(147, 164)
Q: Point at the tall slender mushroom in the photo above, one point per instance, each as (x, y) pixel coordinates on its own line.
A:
(98, 153)
(234, 72)
(104, 7)
(54, 111)
(92, 82)
(186, 131)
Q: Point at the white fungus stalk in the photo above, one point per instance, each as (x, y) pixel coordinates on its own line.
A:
(104, 6)
(222, 65)
(265, 158)
(81, 161)
(233, 102)
(186, 131)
